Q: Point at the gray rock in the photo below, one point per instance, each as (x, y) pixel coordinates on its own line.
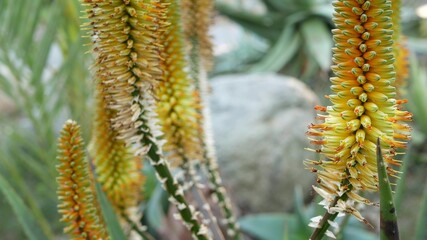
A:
(259, 124)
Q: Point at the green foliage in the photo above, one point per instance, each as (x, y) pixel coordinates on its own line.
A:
(271, 226)
(298, 31)
(110, 218)
(46, 81)
(28, 221)
(420, 230)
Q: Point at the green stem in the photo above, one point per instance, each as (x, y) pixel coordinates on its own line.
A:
(199, 75)
(201, 201)
(175, 191)
(319, 233)
(208, 155)
(145, 235)
(223, 201)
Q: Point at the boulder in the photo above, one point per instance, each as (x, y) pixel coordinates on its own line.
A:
(259, 123)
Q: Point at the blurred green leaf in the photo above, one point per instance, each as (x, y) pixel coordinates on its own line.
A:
(262, 25)
(265, 226)
(318, 41)
(25, 217)
(421, 230)
(418, 98)
(301, 217)
(113, 225)
(155, 208)
(272, 227)
(357, 233)
(281, 53)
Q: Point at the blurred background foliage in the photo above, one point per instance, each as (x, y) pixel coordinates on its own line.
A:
(45, 79)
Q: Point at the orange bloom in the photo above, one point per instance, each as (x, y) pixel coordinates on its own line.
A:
(76, 194)
(363, 107)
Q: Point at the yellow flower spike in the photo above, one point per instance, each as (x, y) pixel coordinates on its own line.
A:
(76, 193)
(177, 108)
(196, 19)
(363, 102)
(401, 51)
(118, 170)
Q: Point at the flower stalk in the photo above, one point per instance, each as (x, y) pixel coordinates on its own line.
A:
(197, 17)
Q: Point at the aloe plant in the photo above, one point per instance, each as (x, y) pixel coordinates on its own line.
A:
(129, 70)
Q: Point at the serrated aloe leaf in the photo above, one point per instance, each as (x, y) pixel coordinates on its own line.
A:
(388, 218)
(113, 225)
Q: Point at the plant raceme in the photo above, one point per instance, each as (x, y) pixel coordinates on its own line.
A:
(76, 190)
(363, 107)
(148, 103)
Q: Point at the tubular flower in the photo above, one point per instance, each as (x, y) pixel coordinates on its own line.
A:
(177, 106)
(77, 203)
(401, 52)
(125, 34)
(196, 18)
(118, 170)
(363, 104)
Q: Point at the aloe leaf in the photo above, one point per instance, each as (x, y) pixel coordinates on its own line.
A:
(318, 41)
(420, 230)
(264, 26)
(281, 53)
(114, 229)
(266, 226)
(155, 211)
(25, 217)
(388, 218)
(301, 217)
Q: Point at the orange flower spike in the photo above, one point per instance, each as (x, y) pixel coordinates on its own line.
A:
(118, 170)
(363, 99)
(77, 202)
